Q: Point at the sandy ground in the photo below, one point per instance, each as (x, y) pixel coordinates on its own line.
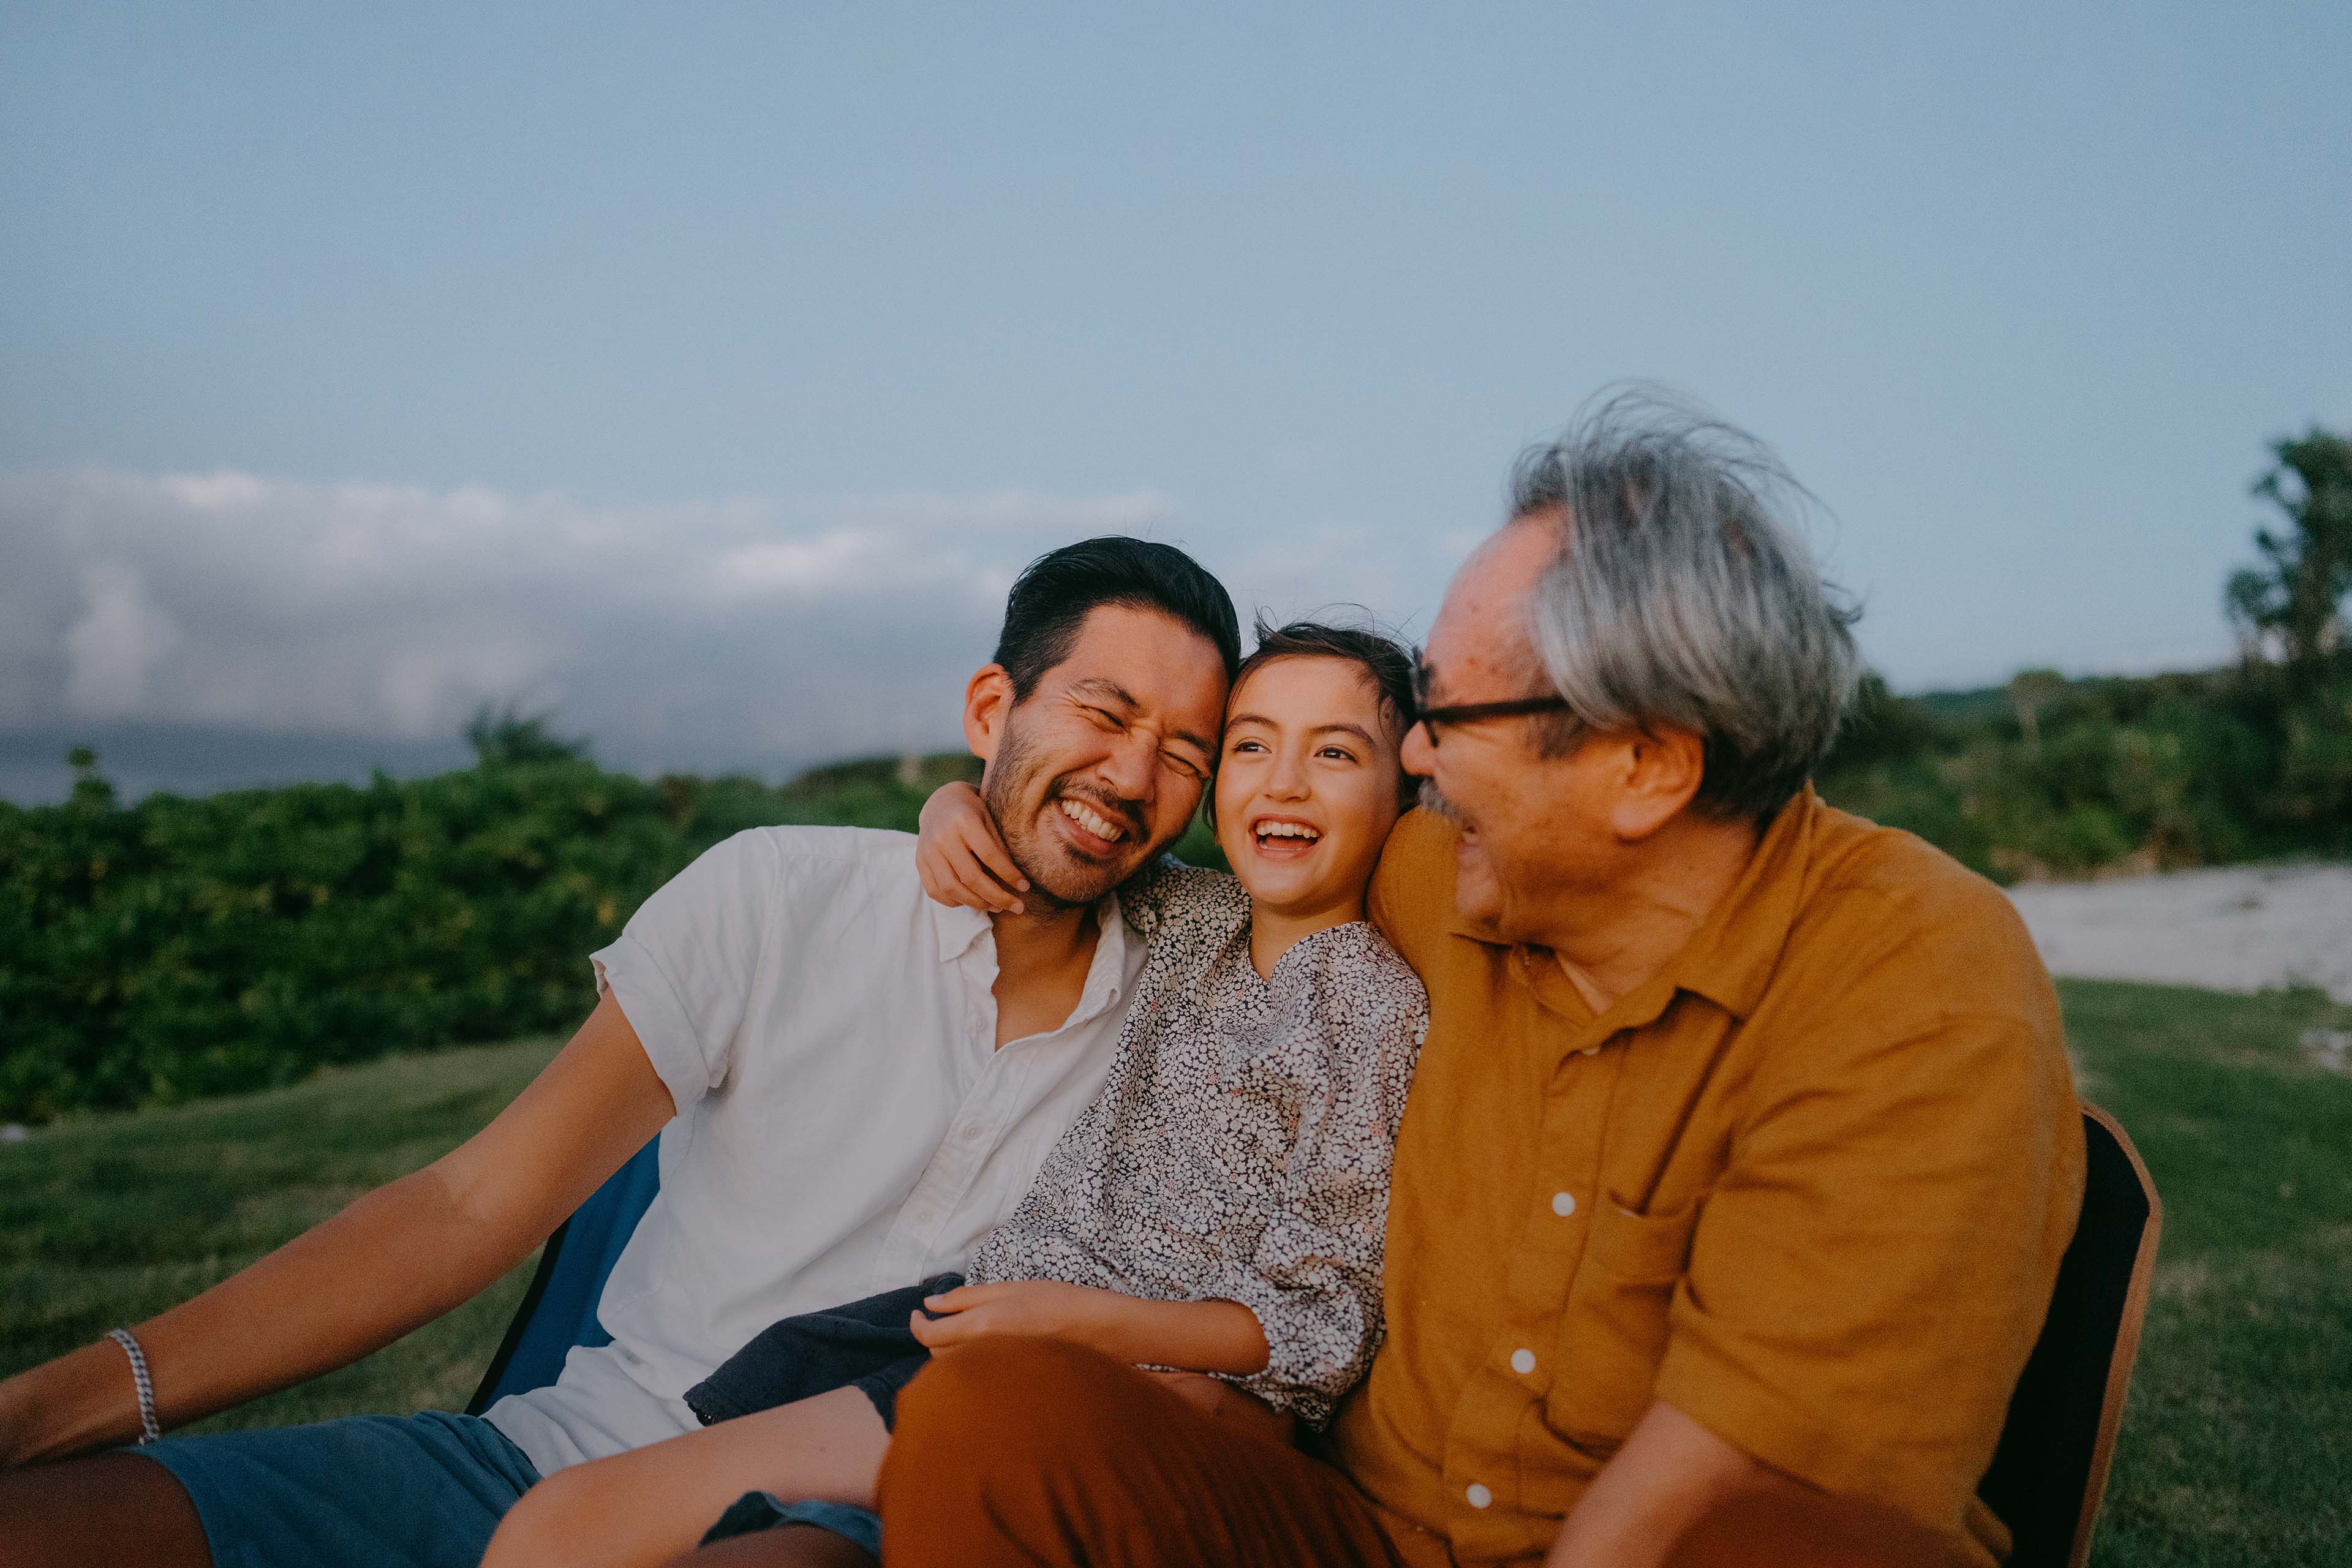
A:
(2242, 928)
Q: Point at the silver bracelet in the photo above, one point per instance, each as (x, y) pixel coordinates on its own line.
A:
(150, 1428)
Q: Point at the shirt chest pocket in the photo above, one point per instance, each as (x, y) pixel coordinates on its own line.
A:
(1613, 1331)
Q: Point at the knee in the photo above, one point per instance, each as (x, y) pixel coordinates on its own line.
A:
(547, 1524)
(1015, 1403)
(109, 1508)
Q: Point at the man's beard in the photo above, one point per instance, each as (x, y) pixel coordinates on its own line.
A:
(1005, 783)
(1434, 803)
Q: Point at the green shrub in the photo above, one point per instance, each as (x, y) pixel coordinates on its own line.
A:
(179, 948)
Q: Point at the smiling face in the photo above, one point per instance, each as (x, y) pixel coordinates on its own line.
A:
(1306, 785)
(1102, 766)
(1536, 831)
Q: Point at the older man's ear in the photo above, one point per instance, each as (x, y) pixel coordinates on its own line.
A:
(1653, 776)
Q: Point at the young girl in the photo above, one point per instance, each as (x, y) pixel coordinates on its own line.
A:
(1218, 1210)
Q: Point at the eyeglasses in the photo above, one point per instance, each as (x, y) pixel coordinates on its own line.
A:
(1470, 712)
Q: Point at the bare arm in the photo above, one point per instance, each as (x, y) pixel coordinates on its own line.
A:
(1677, 1496)
(1198, 1336)
(960, 857)
(393, 1261)
(1671, 1472)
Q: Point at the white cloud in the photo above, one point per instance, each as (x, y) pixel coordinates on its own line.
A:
(116, 645)
(691, 635)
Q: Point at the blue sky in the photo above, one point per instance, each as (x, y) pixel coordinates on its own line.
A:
(701, 370)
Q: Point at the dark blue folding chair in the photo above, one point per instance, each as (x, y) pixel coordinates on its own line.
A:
(2050, 1471)
(559, 1311)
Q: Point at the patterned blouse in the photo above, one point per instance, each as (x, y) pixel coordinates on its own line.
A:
(1240, 1147)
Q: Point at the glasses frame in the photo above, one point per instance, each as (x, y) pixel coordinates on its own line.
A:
(1470, 712)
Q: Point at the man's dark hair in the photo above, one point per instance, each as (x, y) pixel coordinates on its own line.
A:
(1052, 599)
(1383, 659)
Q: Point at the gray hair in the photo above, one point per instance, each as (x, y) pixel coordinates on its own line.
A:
(1683, 595)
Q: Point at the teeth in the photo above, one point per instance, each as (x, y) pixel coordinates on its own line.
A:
(1093, 821)
(1287, 831)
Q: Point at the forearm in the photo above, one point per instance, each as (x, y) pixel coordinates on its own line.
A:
(1670, 1473)
(1197, 1336)
(393, 1261)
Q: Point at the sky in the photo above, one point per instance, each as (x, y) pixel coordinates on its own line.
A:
(703, 374)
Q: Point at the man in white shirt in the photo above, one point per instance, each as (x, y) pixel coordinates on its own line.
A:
(851, 1085)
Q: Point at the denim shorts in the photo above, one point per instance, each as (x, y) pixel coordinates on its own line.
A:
(396, 1492)
(368, 1491)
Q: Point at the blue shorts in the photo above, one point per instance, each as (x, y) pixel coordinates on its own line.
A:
(394, 1491)
(756, 1511)
(865, 1345)
(370, 1491)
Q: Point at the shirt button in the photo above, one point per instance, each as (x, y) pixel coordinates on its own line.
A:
(1563, 1203)
(1479, 1496)
(1522, 1362)
(1589, 1051)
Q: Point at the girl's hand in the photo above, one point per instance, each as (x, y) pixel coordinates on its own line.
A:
(1046, 1307)
(958, 856)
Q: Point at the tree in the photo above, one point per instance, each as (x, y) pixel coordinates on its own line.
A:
(2290, 607)
(2029, 690)
(508, 735)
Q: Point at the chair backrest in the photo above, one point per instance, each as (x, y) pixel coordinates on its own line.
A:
(2049, 1470)
(559, 1309)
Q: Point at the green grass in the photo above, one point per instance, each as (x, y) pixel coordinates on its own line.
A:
(2237, 1444)
(112, 1219)
(2237, 1447)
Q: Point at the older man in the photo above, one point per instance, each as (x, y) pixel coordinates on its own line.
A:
(1743, 1149)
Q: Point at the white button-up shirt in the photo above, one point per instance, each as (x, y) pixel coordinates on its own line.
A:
(845, 1123)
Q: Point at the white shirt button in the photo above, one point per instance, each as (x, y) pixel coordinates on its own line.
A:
(1589, 1051)
(1522, 1362)
(1563, 1203)
(1479, 1496)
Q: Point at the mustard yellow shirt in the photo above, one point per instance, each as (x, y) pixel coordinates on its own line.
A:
(1810, 1184)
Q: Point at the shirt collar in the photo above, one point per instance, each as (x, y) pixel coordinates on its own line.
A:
(1730, 958)
(958, 928)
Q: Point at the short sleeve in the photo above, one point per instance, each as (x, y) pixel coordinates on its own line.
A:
(1868, 1277)
(684, 967)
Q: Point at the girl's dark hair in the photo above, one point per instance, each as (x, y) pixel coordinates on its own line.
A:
(1052, 598)
(1383, 659)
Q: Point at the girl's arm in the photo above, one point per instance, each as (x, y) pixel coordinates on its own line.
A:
(1194, 1336)
(1314, 1282)
(393, 1261)
(960, 857)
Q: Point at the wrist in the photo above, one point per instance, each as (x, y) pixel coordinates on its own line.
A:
(82, 1401)
(1110, 1322)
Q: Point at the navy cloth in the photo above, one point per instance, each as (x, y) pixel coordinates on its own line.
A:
(368, 1492)
(864, 1345)
(756, 1511)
